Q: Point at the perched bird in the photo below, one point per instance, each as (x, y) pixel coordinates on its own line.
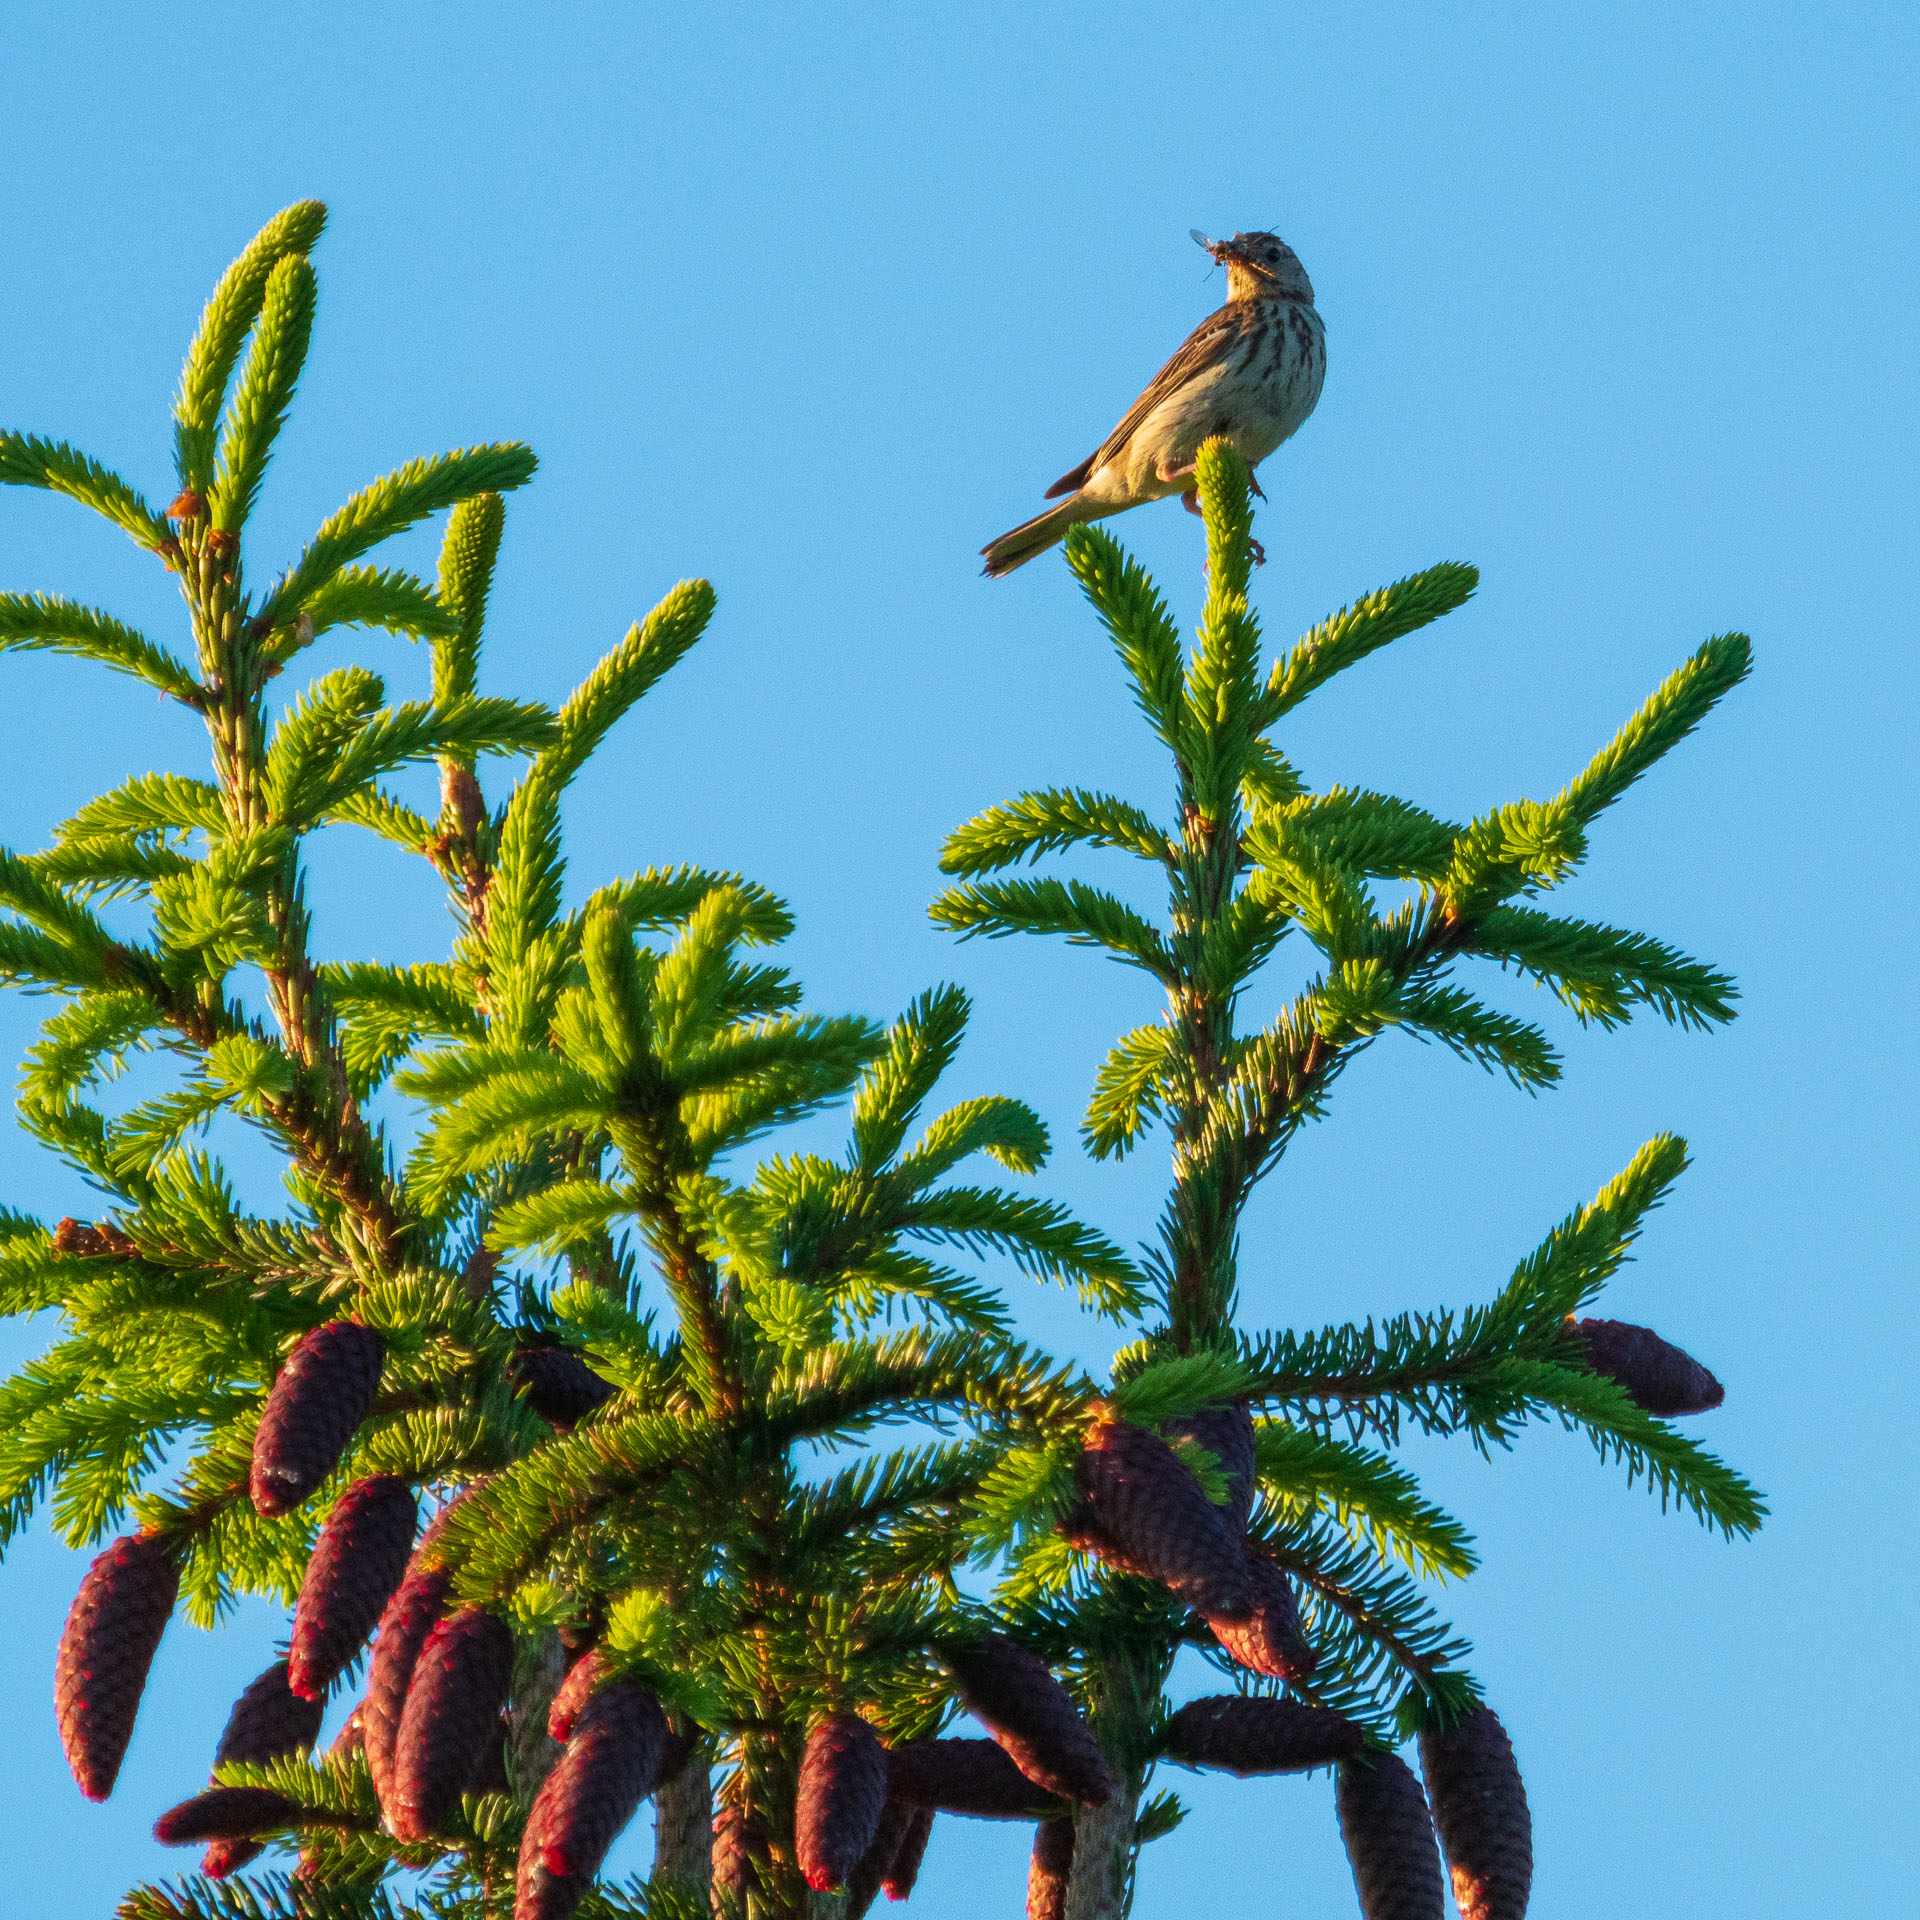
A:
(1252, 371)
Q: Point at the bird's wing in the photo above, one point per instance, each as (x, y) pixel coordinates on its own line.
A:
(1203, 347)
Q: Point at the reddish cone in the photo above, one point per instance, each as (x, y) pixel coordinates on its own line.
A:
(558, 1385)
(906, 1861)
(1480, 1808)
(843, 1790)
(268, 1721)
(111, 1635)
(453, 1708)
(228, 1813)
(1013, 1695)
(319, 1399)
(1389, 1839)
(973, 1777)
(574, 1692)
(1049, 1870)
(1145, 1501)
(1241, 1734)
(864, 1882)
(352, 1737)
(1227, 1434)
(229, 1856)
(357, 1562)
(740, 1852)
(413, 1612)
(1265, 1635)
(1658, 1377)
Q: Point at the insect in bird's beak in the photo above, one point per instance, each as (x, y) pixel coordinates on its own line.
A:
(1201, 240)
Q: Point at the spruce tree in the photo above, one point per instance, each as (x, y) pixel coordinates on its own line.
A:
(1235, 1489)
(714, 1451)
(464, 1303)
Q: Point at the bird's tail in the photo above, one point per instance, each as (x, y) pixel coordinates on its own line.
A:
(1036, 535)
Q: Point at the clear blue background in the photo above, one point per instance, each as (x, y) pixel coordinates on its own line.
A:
(1620, 303)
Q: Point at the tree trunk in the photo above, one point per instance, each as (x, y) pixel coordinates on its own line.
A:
(683, 1827)
(539, 1667)
(1101, 1884)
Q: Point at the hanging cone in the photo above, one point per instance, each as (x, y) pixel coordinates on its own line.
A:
(318, 1401)
(112, 1633)
(1658, 1377)
(843, 1790)
(1266, 1635)
(557, 1384)
(454, 1701)
(268, 1721)
(1226, 1433)
(352, 1737)
(573, 1693)
(229, 1856)
(1480, 1808)
(1389, 1839)
(1239, 1733)
(1078, 1528)
(229, 1813)
(357, 1562)
(974, 1777)
(1145, 1501)
(1049, 1870)
(905, 1870)
(863, 1883)
(740, 1853)
(1013, 1695)
(415, 1609)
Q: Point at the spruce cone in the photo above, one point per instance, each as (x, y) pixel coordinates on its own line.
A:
(864, 1882)
(319, 1399)
(1480, 1808)
(1227, 1434)
(1013, 1695)
(1389, 1839)
(905, 1870)
(1078, 1528)
(1049, 1870)
(229, 1856)
(843, 1791)
(573, 1693)
(357, 1562)
(268, 1721)
(228, 1813)
(1145, 1501)
(1658, 1377)
(453, 1708)
(352, 1737)
(1241, 1734)
(412, 1613)
(112, 1633)
(559, 1386)
(741, 1852)
(1266, 1635)
(973, 1777)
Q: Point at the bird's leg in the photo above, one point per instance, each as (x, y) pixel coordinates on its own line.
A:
(1253, 480)
(1191, 500)
(1168, 475)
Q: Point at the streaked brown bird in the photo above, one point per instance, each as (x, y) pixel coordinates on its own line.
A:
(1252, 371)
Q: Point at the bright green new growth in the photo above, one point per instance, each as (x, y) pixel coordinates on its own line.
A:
(1258, 866)
(571, 1099)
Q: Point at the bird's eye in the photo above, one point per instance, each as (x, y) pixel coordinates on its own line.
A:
(1273, 256)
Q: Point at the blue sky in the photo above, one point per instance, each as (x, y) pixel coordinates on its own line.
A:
(1620, 307)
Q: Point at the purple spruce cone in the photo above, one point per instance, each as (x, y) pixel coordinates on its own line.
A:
(317, 1402)
(358, 1561)
(112, 1633)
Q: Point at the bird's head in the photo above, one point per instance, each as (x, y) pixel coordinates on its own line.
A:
(1259, 265)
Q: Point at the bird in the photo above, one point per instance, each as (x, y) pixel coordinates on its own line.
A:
(1252, 372)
